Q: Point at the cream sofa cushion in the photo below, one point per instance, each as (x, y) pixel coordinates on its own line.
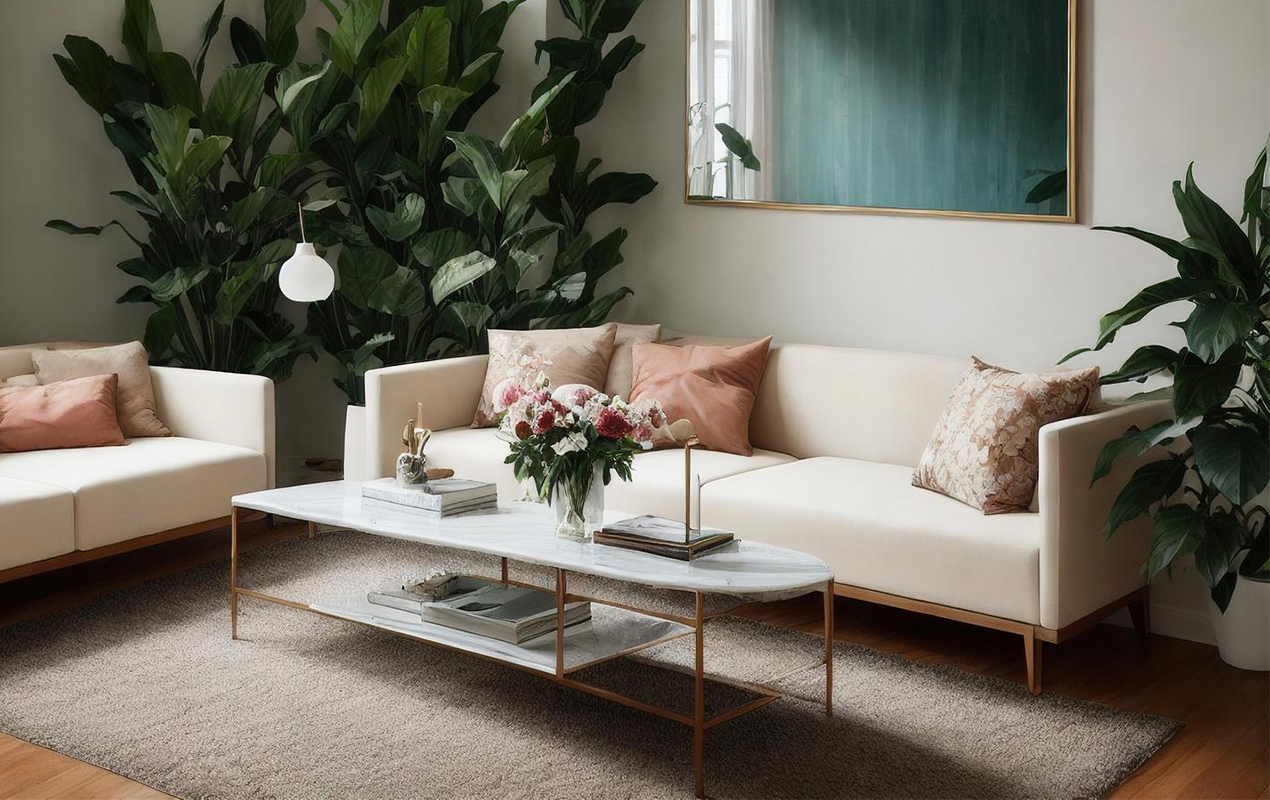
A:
(147, 486)
(879, 532)
(658, 487)
(841, 401)
(478, 453)
(37, 521)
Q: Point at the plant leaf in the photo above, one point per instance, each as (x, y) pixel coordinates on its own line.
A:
(1177, 531)
(485, 158)
(1199, 386)
(1142, 364)
(375, 92)
(234, 102)
(1152, 483)
(1217, 324)
(140, 33)
(359, 23)
(1233, 458)
(460, 272)
(741, 147)
(176, 80)
(1208, 223)
(400, 224)
(209, 33)
(1222, 541)
(371, 279)
(1160, 294)
(281, 41)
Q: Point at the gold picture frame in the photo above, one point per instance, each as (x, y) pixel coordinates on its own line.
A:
(1072, 160)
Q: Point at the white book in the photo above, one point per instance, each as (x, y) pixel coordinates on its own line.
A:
(442, 496)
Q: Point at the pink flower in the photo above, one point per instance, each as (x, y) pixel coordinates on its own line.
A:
(507, 393)
(642, 433)
(540, 397)
(655, 417)
(545, 420)
(612, 424)
(522, 430)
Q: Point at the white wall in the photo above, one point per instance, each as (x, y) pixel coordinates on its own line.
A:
(1162, 83)
(55, 162)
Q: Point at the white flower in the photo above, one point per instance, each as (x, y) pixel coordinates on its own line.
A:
(572, 443)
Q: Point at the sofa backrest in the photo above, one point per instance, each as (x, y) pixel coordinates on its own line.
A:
(869, 405)
(16, 359)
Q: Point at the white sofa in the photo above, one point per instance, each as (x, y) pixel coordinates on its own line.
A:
(837, 432)
(60, 507)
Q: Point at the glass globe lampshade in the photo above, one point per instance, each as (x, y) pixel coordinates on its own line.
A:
(306, 277)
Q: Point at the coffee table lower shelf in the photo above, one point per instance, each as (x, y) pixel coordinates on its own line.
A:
(611, 633)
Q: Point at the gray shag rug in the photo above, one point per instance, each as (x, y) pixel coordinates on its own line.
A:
(147, 683)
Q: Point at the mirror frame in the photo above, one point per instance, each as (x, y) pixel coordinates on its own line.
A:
(1073, 174)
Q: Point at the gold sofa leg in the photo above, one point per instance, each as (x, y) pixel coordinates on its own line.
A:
(1032, 651)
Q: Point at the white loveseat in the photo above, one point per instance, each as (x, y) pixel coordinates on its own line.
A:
(837, 432)
(60, 507)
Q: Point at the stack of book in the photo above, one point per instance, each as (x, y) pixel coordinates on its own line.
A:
(508, 613)
(663, 537)
(441, 497)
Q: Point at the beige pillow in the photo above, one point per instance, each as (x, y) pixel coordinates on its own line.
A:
(984, 448)
(621, 368)
(136, 406)
(571, 355)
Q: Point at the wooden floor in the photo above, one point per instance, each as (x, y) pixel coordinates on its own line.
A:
(1222, 752)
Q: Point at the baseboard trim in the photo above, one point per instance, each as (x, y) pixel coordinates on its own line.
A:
(1179, 623)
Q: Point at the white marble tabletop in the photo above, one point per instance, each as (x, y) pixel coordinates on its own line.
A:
(526, 532)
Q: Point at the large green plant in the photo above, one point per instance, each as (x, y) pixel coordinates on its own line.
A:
(438, 227)
(1216, 450)
(217, 206)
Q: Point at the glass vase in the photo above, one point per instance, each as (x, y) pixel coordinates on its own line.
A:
(579, 503)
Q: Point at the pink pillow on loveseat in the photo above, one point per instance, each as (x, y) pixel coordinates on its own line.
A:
(76, 413)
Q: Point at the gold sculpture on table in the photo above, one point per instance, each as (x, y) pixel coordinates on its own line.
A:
(683, 432)
(412, 465)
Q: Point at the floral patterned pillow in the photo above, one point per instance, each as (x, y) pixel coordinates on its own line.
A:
(984, 448)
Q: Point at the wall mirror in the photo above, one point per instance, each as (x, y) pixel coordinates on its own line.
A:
(949, 107)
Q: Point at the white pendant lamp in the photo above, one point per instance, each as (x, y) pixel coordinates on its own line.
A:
(306, 277)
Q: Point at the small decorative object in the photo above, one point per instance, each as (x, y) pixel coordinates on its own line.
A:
(306, 277)
(412, 465)
(571, 441)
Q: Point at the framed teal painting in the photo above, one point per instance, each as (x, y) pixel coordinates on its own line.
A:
(943, 107)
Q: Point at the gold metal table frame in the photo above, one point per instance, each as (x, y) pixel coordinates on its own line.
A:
(698, 720)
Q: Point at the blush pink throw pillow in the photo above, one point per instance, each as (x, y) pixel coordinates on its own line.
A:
(712, 387)
(75, 413)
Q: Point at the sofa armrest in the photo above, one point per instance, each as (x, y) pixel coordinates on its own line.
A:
(1081, 570)
(218, 407)
(449, 389)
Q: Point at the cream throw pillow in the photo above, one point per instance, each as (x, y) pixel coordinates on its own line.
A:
(571, 355)
(20, 381)
(136, 407)
(622, 367)
(984, 448)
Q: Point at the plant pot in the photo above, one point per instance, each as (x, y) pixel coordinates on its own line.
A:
(1243, 632)
(355, 466)
(579, 504)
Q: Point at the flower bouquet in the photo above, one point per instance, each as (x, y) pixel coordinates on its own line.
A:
(571, 441)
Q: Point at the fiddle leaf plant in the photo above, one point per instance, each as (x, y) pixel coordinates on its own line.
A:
(217, 214)
(1206, 495)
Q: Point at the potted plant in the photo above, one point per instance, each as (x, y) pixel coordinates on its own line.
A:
(1206, 495)
(570, 442)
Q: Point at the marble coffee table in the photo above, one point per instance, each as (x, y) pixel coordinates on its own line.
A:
(638, 600)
